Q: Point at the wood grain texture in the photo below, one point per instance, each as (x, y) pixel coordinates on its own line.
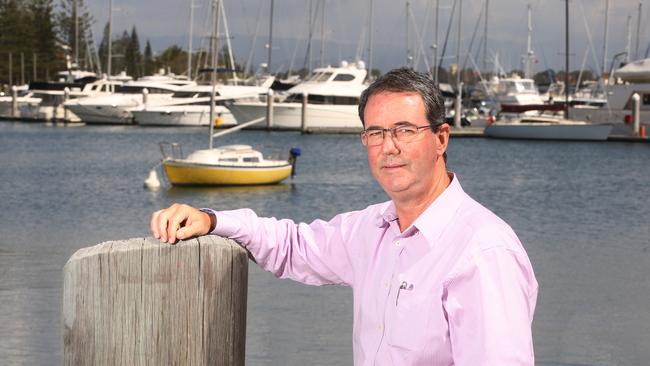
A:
(140, 302)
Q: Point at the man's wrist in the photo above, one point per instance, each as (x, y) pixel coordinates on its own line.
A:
(212, 217)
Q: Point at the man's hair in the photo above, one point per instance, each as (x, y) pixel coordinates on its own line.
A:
(405, 80)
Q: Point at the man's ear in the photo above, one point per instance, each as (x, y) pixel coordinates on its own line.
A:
(443, 138)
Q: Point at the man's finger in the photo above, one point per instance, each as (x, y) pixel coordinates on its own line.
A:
(153, 224)
(175, 223)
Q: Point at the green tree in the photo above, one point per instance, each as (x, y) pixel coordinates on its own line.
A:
(103, 49)
(149, 65)
(132, 55)
(43, 35)
(174, 59)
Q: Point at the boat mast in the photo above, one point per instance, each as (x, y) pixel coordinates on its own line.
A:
(485, 36)
(459, 35)
(370, 31)
(228, 44)
(566, 60)
(189, 47)
(76, 33)
(408, 44)
(110, 40)
(270, 43)
(215, 59)
(435, 45)
(322, 34)
(638, 30)
(529, 49)
(605, 38)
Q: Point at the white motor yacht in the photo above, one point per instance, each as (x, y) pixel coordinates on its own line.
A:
(190, 105)
(630, 79)
(116, 108)
(49, 99)
(333, 99)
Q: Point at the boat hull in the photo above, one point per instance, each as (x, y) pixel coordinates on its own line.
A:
(539, 131)
(288, 116)
(102, 114)
(186, 115)
(181, 173)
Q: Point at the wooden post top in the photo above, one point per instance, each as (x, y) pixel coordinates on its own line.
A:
(139, 301)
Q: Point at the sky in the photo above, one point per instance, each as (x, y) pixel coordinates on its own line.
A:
(346, 30)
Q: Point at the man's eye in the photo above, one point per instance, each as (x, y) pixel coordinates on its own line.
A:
(373, 133)
(405, 130)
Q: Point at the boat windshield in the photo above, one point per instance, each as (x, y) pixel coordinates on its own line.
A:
(517, 87)
(131, 89)
(320, 77)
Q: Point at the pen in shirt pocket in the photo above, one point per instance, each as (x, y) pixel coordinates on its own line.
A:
(403, 286)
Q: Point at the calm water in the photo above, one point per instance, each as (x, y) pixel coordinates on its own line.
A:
(581, 209)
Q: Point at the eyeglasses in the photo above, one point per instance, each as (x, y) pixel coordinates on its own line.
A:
(374, 136)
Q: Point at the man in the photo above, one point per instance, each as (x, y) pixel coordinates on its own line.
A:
(437, 278)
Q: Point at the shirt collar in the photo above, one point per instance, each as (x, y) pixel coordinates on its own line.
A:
(435, 218)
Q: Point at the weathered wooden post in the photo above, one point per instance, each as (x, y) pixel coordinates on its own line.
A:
(303, 115)
(140, 302)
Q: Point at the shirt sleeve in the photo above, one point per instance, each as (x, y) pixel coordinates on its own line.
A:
(314, 254)
(490, 305)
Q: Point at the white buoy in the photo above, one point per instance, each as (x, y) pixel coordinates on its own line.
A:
(152, 181)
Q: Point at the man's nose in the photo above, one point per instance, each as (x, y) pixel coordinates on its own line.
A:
(388, 145)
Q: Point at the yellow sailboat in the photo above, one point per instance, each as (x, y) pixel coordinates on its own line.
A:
(228, 165)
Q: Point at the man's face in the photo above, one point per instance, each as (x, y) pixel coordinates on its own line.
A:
(402, 169)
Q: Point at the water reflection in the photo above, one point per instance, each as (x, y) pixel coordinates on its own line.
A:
(246, 191)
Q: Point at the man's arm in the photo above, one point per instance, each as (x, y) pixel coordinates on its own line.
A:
(490, 305)
(313, 253)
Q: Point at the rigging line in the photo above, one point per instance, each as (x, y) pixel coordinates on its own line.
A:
(601, 82)
(419, 41)
(420, 51)
(295, 48)
(489, 91)
(444, 47)
(251, 51)
(471, 43)
(312, 24)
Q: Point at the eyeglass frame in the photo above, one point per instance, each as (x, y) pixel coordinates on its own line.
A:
(434, 129)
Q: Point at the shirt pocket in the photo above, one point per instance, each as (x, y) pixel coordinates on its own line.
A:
(411, 325)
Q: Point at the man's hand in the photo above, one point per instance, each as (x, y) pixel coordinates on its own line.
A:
(178, 222)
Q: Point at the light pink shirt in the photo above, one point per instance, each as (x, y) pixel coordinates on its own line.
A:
(455, 288)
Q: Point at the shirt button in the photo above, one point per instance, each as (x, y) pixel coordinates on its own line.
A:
(397, 243)
(386, 284)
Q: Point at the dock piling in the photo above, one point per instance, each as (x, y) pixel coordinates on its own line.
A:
(14, 101)
(303, 115)
(269, 109)
(138, 301)
(636, 113)
(66, 113)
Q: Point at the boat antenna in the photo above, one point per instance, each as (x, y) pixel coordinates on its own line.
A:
(215, 59)
(566, 60)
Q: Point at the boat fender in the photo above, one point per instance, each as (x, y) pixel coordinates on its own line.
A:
(152, 182)
(294, 153)
(628, 119)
